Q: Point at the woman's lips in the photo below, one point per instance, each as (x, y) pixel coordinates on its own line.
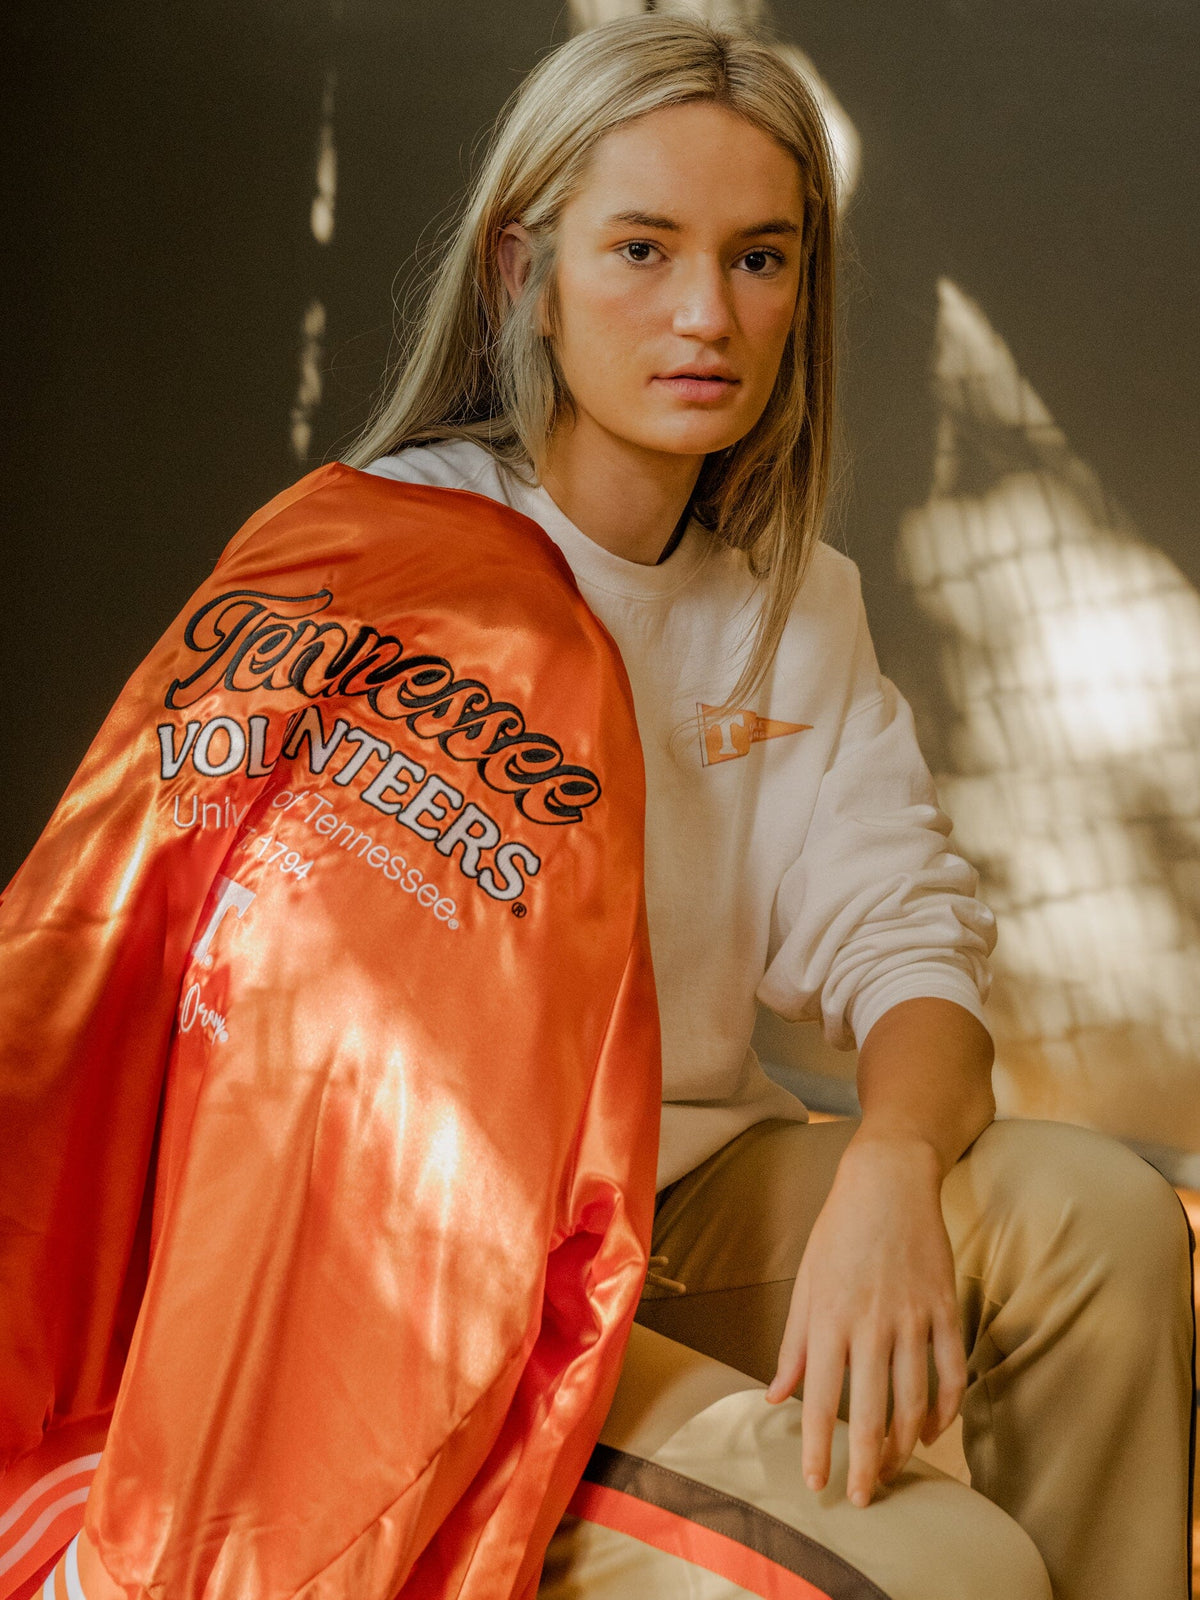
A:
(690, 387)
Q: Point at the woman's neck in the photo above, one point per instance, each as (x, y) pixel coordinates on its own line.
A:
(626, 499)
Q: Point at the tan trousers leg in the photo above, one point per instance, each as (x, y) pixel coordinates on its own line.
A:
(1073, 1259)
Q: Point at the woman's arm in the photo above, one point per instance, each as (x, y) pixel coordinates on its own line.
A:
(876, 1284)
(925, 1073)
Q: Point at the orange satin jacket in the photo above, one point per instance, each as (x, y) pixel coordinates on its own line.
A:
(330, 1084)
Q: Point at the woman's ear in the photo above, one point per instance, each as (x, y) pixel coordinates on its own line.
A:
(514, 256)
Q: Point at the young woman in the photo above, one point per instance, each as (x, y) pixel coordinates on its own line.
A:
(630, 344)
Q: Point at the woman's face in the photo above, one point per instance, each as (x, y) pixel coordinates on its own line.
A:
(678, 268)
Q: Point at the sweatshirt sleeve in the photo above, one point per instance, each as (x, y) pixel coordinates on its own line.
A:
(877, 908)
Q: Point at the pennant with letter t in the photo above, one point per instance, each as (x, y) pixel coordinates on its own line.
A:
(725, 735)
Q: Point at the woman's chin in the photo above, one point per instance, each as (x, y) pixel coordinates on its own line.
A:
(688, 436)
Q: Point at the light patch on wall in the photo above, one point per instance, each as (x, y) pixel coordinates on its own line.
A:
(311, 384)
(845, 144)
(321, 219)
(587, 14)
(321, 216)
(1070, 666)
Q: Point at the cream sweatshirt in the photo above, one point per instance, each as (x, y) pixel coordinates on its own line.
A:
(795, 851)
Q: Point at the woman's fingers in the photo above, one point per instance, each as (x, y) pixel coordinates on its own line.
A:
(868, 1415)
(789, 1372)
(950, 1360)
(910, 1401)
(878, 1453)
(793, 1347)
(822, 1390)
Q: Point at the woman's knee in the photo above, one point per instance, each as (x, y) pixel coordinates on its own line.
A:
(1075, 1192)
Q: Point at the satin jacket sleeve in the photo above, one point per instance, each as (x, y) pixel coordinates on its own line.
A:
(329, 1076)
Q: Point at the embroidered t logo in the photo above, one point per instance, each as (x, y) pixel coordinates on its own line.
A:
(726, 735)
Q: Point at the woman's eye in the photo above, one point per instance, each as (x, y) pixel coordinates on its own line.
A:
(638, 250)
(762, 263)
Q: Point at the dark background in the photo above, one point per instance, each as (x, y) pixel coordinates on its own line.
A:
(160, 173)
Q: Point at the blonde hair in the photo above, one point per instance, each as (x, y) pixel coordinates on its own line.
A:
(478, 367)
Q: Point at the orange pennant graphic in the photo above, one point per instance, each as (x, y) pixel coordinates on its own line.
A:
(725, 735)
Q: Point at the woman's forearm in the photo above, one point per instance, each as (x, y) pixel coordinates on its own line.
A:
(924, 1074)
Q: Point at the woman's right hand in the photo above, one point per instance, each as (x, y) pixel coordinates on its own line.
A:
(874, 1291)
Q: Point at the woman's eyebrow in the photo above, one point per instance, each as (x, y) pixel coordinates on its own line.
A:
(779, 226)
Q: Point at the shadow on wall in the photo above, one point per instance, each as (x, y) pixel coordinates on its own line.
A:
(1070, 655)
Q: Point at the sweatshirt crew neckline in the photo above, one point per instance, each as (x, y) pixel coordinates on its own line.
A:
(600, 568)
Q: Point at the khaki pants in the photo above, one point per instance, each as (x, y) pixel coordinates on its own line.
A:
(1074, 1279)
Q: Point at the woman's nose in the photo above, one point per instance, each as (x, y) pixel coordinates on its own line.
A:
(703, 309)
